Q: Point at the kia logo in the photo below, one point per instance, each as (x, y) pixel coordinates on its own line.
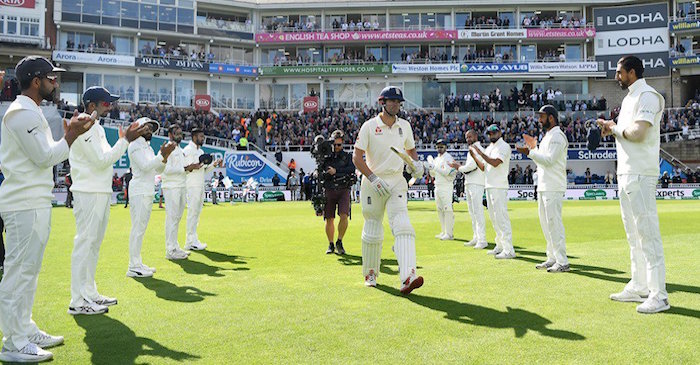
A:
(12, 2)
(310, 104)
(202, 102)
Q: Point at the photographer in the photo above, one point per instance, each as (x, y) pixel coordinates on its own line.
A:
(338, 173)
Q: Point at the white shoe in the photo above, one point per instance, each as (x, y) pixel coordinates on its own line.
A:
(413, 282)
(106, 301)
(439, 235)
(626, 296)
(197, 246)
(504, 255)
(138, 272)
(559, 268)
(495, 251)
(151, 269)
(371, 279)
(545, 265)
(88, 309)
(176, 255)
(653, 305)
(184, 252)
(470, 243)
(29, 353)
(447, 237)
(481, 245)
(45, 340)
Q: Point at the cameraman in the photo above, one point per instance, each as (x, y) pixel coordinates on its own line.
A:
(338, 173)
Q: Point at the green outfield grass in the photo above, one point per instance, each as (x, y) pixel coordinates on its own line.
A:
(265, 292)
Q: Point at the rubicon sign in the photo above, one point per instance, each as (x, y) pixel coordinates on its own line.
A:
(18, 3)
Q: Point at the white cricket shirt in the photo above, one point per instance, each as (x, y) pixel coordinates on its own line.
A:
(376, 139)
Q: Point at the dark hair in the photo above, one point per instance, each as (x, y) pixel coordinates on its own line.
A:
(25, 82)
(173, 128)
(632, 63)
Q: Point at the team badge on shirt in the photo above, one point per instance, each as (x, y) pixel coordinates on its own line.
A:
(377, 131)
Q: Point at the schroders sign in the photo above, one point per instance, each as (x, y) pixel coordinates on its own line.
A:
(172, 64)
(364, 36)
(19, 3)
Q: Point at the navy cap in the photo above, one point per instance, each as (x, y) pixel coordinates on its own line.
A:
(549, 110)
(493, 128)
(206, 159)
(97, 94)
(440, 142)
(34, 66)
(196, 130)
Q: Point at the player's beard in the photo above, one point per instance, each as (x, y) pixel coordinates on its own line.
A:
(50, 96)
(494, 139)
(546, 125)
(177, 139)
(147, 136)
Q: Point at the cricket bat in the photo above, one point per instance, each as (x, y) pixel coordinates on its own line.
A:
(406, 158)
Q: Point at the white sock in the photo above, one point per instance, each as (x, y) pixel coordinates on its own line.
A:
(405, 249)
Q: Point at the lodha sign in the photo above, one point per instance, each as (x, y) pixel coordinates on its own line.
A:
(19, 3)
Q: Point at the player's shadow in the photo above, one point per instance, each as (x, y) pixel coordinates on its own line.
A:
(222, 257)
(199, 268)
(604, 273)
(521, 321)
(522, 251)
(169, 291)
(354, 260)
(102, 331)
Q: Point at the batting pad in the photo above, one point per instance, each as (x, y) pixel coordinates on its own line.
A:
(372, 236)
(405, 249)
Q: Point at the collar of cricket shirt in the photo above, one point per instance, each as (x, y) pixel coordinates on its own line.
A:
(636, 85)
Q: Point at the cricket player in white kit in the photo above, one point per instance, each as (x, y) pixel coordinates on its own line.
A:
(637, 142)
(444, 188)
(474, 189)
(91, 159)
(145, 164)
(384, 188)
(175, 192)
(496, 161)
(195, 188)
(550, 157)
(28, 153)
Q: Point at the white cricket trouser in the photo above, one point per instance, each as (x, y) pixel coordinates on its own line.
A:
(550, 204)
(497, 201)
(443, 200)
(140, 208)
(195, 199)
(91, 212)
(475, 195)
(373, 207)
(174, 207)
(638, 202)
(27, 233)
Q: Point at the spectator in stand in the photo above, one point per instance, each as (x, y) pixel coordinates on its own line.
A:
(589, 180)
(665, 180)
(276, 180)
(292, 165)
(609, 178)
(570, 177)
